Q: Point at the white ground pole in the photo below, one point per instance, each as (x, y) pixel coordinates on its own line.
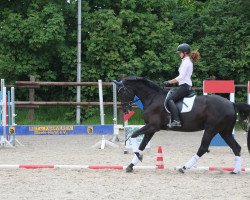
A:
(88, 167)
(102, 142)
(114, 167)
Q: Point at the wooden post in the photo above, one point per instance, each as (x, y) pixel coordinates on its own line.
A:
(31, 99)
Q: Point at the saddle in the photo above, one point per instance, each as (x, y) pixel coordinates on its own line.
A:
(185, 104)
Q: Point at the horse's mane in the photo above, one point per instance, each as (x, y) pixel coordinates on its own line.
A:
(146, 81)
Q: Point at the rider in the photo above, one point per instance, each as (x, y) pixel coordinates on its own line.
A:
(184, 80)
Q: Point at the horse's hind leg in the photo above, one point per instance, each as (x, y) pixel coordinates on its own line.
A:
(229, 139)
(205, 142)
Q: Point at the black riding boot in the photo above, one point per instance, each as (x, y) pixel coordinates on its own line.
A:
(176, 122)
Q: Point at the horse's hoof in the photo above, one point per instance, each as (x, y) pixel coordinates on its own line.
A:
(181, 170)
(141, 158)
(129, 169)
(234, 172)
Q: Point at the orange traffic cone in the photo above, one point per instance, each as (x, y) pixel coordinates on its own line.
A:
(159, 160)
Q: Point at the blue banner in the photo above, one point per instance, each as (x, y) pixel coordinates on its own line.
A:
(59, 129)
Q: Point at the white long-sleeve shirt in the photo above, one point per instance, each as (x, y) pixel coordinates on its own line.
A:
(185, 72)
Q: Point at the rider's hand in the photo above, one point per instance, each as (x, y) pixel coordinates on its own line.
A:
(166, 83)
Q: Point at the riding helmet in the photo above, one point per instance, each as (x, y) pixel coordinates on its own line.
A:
(184, 48)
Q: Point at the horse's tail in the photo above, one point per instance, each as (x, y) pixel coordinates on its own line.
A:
(244, 110)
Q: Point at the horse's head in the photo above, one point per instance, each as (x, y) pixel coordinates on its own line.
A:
(126, 96)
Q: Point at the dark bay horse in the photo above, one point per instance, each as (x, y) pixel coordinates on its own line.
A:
(211, 113)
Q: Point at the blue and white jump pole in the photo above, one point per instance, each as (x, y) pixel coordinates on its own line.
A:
(7, 108)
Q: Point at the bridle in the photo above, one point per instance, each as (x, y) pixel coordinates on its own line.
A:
(127, 105)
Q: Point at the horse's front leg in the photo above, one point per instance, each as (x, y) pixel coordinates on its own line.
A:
(148, 131)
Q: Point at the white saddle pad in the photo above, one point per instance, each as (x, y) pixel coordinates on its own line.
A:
(188, 104)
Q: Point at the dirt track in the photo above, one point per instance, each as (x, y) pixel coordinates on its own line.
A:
(65, 184)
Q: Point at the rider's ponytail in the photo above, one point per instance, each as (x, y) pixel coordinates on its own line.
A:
(195, 56)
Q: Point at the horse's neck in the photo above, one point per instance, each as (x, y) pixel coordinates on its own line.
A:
(145, 94)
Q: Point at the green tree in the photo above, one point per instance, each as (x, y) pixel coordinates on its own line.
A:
(30, 42)
(220, 30)
(136, 41)
(225, 45)
(138, 38)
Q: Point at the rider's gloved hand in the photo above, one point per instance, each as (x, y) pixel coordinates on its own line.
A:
(166, 83)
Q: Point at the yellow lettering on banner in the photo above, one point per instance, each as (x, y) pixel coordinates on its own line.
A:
(51, 130)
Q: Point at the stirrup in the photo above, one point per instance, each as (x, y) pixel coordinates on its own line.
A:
(174, 124)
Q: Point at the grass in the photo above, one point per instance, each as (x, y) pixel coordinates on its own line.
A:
(44, 116)
(59, 115)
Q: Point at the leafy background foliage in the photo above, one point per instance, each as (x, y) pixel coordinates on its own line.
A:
(132, 37)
